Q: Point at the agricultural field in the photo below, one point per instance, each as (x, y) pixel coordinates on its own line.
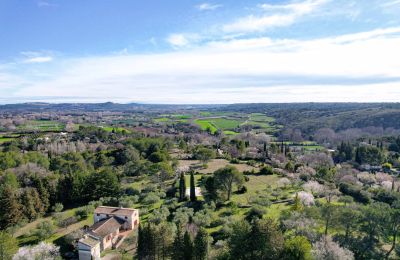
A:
(42, 125)
(229, 122)
(115, 129)
(218, 123)
(8, 138)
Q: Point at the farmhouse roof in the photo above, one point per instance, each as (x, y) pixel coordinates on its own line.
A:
(106, 226)
(114, 211)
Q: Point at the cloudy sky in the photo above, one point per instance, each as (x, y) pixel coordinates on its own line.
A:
(182, 51)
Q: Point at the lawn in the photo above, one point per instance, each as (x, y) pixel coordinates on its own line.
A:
(216, 164)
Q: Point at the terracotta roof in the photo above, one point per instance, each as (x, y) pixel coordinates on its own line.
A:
(114, 211)
(106, 226)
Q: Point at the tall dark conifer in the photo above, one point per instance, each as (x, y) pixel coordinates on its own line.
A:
(200, 245)
(192, 188)
(187, 247)
(182, 187)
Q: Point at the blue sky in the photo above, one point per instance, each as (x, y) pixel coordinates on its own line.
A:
(185, 51)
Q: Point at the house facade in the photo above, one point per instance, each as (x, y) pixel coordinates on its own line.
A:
(111, 226)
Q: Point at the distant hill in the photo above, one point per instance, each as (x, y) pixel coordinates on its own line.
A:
(312, 116)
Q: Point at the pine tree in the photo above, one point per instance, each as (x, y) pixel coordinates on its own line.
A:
(33, 207)
(182, 187)
(187, 246)
(10, 208)
(200, 250)
(192, 188)
(44, 194)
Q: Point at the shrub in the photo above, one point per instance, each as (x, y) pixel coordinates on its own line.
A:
(44, 230)
(151, 198)
(242, 190)
(83, 212)
(132, 191)
(235, 161)
(356, 192)
(266, 170)
(255, 212)
(67, 222)
(58, 207)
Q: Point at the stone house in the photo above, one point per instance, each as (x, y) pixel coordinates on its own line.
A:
(111, 226)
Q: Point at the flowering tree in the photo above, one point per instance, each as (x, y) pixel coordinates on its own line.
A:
(387, 185)
(307, 199)
(284, 182)
(314, 187)
(366, 178)
(42, 251)
(381, 177)
(306, 172)
(328, 249)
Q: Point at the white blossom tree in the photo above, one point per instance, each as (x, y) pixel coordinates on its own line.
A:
(42, 251)
(314, 187)
(327, 249)
(307, 199)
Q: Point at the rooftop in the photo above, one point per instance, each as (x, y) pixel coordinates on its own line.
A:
(106, 226)
(89, 240)
(114, 211)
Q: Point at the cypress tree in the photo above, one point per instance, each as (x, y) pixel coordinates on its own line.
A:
(182, 187)
(146, 243)
(187, 247)
(200, 250)
(177, 246)
(192, 188)
(141, 247)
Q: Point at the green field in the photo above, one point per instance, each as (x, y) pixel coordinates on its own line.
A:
(205, 125)
(258, 117)
(116, 129)
(228, 132)
(42, 125)
(218, 123)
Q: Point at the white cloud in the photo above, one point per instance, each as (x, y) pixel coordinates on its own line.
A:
(45, 4)
(356, 67)
(178, 40)
(275, 16)
(391, 3)
(36, 57)
(208, 7)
